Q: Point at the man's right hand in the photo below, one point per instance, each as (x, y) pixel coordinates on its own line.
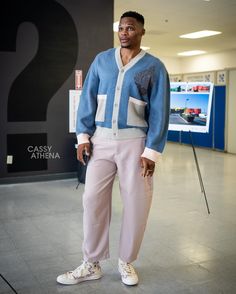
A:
(83, 149)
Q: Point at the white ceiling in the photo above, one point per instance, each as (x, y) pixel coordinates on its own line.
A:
(165, 20)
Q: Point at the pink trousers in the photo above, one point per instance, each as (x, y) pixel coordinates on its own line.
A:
(109, 158)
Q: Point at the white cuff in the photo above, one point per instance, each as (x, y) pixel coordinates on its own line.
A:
(151, 154)
(82, 138)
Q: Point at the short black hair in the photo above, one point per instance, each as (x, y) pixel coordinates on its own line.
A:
(135, 15)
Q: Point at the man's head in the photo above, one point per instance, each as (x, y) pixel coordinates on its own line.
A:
(135, 15)
(131, 30)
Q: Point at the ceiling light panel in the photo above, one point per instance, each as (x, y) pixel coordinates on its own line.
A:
(116, 26)
(200, 34)
(191, 53)
(145, 48)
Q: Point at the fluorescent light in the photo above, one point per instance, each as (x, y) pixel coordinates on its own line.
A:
(191, 53)
(200, 34)
(116, 26)
(145, 48)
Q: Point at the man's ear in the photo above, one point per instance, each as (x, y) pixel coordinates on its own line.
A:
(143, 32)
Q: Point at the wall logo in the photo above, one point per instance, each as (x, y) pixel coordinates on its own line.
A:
(42, 152)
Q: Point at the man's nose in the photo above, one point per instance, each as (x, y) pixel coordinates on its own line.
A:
(124, 32)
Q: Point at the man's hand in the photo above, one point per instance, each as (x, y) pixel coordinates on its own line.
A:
(148, 167)
(83, 149)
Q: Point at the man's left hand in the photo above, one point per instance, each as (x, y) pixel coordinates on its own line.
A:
(148, 167)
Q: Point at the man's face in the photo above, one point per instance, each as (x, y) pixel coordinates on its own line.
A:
(130, 32)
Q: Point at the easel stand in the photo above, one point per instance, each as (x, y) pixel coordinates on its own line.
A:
(199, 173)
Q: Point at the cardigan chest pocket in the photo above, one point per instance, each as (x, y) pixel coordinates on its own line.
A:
(100, 114)
(136, 113)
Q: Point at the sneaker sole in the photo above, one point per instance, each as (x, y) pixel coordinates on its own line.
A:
(95, 277)
(127, 284)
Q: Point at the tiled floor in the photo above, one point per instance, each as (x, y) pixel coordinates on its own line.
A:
(185, 250)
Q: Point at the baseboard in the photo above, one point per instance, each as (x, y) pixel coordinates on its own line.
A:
(38, 178)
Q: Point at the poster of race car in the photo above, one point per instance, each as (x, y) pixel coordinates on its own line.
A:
(190, 105)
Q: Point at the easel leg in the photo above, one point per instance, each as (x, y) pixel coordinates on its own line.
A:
(199, 173)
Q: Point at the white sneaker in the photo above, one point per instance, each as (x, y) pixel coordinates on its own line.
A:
(128, 275)
(85, 272)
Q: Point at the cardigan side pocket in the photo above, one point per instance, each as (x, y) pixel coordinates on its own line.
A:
(136, 113)
(100, 114)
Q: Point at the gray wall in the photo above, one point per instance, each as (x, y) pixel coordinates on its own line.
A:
(42, 43)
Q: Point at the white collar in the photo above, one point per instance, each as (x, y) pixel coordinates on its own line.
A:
(132, 61)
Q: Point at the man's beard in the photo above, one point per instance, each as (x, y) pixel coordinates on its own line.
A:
(126, 46)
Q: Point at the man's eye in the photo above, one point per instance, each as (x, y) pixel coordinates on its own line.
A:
(120, 29)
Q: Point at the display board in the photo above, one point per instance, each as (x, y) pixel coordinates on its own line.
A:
(190, 105)
(74, 97)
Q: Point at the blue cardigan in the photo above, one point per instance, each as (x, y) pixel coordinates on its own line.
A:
(122, 102)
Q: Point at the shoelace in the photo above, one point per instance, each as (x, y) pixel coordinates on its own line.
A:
(127, 268)
(79, 270)
(85, 266)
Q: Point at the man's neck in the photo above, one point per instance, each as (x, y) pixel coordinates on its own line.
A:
(127, 54)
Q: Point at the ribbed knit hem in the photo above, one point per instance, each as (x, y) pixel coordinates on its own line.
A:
(151, 154)
(83, 138)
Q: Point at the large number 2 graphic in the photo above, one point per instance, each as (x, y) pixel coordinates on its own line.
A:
(56, 56)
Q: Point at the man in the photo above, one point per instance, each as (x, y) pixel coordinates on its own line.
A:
(122, 126)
